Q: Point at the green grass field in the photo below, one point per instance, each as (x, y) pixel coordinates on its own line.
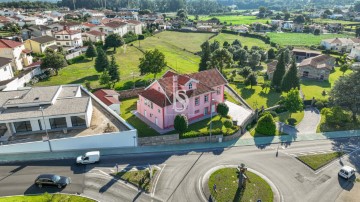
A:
(235, 19)
(314, 88)
(326, 21)
(301, 39)
(285, 116)
(226, 181)
(317, 161)
(245, 41)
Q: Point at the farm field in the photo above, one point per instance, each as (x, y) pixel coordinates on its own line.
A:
(245, 41)
(313, 88)
(301, 39)
(323, 21)
(235, 19)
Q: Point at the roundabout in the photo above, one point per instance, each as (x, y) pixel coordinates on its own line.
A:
(221, 183)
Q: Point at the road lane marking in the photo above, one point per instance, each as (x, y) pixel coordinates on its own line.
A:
(156, 181)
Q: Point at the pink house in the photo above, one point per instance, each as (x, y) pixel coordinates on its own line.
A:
(189, 94)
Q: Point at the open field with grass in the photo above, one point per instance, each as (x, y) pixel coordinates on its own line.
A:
(245, 41)
(326, 21)
(226, 181)
(317, 161)
(313, 88)
(285, 117)
(235, 19)
(301, 39)
(46, 198)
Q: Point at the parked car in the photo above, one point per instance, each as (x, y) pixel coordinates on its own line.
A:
(347, 172)
(88, 157)
(52, 180)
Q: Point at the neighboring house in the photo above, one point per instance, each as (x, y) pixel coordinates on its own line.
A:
(39, 44)
(355, 53)
(302, 54)
(4, 21)
(204, 91)
(112, 28)
(6, 72)
(69, 25)
(271, 66)
(277, 23)
(151, 18)
(134, 26)
(94, 36)
(207, 23)
(96, 20)
(17, 52)
(288, 25)
(336, 16)
(318, 67)
(69, 38)
(36, 31)
(110, 98)
(127, 15)
(260, 27)
(34, 20)
(239, 29)
(86, 26)
(340, 44)
(63, 107)
(298, 27)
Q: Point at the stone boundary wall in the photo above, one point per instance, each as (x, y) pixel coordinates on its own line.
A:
(174, 139)
(131, 93)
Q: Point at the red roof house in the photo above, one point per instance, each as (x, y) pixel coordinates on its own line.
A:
(110, 98)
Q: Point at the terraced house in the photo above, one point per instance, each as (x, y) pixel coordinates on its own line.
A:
(159, 103)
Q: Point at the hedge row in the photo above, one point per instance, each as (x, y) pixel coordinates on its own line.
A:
(217, 131)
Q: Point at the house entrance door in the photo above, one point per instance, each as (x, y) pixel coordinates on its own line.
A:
(206, 110)
(156, 121)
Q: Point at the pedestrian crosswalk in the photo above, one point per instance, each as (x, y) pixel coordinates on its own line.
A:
(295, 153)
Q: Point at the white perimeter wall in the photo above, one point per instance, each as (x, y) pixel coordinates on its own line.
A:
(108, 140)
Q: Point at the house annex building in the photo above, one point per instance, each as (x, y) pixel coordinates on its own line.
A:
(44, 108)
(204, 89)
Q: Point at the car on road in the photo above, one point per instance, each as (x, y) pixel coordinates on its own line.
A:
(347, 172)
(52, 180)
(88, 157)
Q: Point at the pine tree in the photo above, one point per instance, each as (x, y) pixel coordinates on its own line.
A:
(113, 71)
(279, 72)
(291, 79)
(91, 51)
(101, 61)
(205, 57)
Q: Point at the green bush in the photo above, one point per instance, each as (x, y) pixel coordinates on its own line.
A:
(336, 116)
(266, 125)
(76, 59)
(222, 109)
(181, 123)
(319, 105)
(273, 113)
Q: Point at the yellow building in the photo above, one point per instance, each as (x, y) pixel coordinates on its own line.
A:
(39, 44)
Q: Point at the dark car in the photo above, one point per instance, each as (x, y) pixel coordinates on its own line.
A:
(52, 180)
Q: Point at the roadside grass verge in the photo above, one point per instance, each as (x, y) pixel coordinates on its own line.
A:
(226, 181)
(138, 178)
(46, 197)
(317, 161)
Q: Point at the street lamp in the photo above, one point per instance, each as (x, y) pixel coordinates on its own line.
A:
(47, 135)
(211, 112)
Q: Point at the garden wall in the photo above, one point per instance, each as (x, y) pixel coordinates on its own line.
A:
(131, 93)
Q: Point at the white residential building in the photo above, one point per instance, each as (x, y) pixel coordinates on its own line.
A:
(69, 38)
(94, 36)
(6, 71)
(340, 44)
(17, 52)
(355, 53)
(134, 26)
(288, 25)
(112, 28)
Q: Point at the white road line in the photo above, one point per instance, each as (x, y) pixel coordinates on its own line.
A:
(153, 192)
(104, 173)
(199, 188)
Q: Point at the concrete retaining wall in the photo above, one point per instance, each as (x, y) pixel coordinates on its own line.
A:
(30, 147)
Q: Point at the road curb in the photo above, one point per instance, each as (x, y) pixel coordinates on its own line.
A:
(205, 178)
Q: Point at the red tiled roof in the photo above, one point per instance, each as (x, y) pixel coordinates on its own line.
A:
(89, 24)
(106, 96)
(67, 32)
(26, 51)
(319, 62)
(156, 97)
(115, 24)
(95, 33)
(4, 43)
(210, 78)
(34, 64)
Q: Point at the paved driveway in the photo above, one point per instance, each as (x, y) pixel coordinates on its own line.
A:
(239, 113)
(310, 121)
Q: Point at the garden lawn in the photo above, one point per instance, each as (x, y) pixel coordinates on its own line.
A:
(317, 161)
(178, 59)
(143, 129)
(46, 198)
(301, 39)
(245, 41)
(236, 19)
(255, 134)
(256, 97)
(313, 88)
(285, 116)
(139, 178)
(230, 98)
(226, 181)
(189, 41)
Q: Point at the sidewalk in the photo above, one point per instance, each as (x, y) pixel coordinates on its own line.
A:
(260, 142)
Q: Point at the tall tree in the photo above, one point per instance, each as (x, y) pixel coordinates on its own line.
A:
(243, 57)
(53, 60)
(346, 93)
(152, 62)
(290, 79)
(271, 54)
(245, 71)
(279, 72)
(251, 79)
(91, 51)
(205, 56)
(254, 59)
(236, 42)
(114, 41)
(105, 79)
(113, 71)
(293, 102)
(221, 58)
(344, 68)
(101, 61)
(214, 46)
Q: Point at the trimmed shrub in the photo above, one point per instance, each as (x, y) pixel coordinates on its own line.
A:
(222, 109)
(76, 59)
(319, 105)
(266, 125)
(273, 113)
(181, 123)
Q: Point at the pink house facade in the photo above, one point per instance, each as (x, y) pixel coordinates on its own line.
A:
(159, 103)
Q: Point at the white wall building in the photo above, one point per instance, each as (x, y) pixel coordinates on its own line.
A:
(69, 38)
(6, 71)
(16, 51)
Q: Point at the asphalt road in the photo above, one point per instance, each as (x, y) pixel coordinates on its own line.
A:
(179, 179)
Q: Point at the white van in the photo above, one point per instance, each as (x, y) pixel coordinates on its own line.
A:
(347, 172)
(89, 157)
